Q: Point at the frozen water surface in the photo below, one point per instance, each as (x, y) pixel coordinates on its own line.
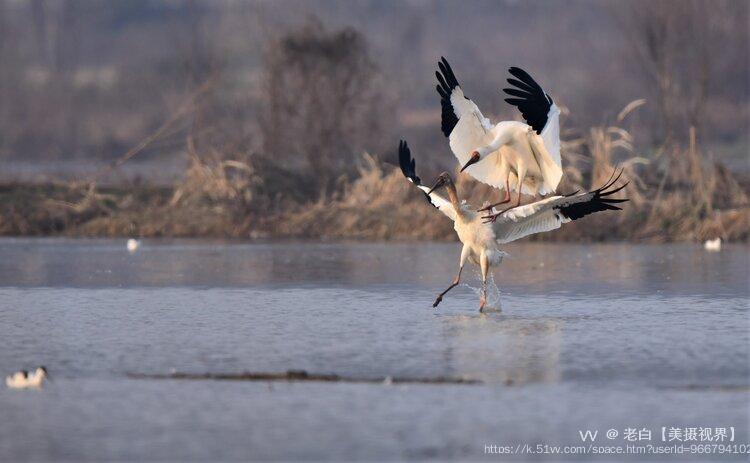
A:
(589, 337)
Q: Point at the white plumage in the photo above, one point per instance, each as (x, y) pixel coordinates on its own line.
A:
(132, 245)
(481, 240)
(509, 155)
(712, 245)
(25, 380)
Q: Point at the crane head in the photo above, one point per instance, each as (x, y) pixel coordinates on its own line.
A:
(442, 180)
(472, 160)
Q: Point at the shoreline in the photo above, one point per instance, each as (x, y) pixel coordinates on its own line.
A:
(388, 212)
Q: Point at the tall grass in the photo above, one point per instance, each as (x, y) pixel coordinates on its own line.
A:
(682, 197)
(676, 194)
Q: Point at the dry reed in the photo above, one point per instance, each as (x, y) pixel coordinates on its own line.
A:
(682, 196)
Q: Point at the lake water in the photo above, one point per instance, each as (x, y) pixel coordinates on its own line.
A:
(590, 337)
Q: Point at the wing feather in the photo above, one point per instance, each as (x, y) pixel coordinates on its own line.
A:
(533, 103)
(551, 134)
(550, 213)
(538, 109)
(518, 93)
(521, 85)
(408, 168)
(462, 122)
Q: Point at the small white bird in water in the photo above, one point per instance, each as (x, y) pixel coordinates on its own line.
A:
(481, 239)
(712, 245)
(24, 380)
(133, 245)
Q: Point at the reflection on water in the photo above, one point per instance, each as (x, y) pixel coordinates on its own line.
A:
(588, 336)
(532, 267)
(505, 349)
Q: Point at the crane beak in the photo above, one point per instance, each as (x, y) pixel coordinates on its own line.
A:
(473, 160)
(440, 182)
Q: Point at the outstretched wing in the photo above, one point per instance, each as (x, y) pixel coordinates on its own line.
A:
(462, 121)
(408, 168)
(549, 214)
(537, 108)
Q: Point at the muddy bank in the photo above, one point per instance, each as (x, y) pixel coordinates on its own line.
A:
(380, 207)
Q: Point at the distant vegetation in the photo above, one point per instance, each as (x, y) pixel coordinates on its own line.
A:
(252, 197)
(299, 142)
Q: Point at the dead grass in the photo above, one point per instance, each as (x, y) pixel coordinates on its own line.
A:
(678, 195)
(378, 205)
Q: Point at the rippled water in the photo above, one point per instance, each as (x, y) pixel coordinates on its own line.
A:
(589, 337)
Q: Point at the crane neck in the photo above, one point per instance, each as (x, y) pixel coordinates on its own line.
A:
(453, 197)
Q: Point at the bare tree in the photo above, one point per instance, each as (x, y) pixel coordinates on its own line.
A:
(677, 45)
(322, 102)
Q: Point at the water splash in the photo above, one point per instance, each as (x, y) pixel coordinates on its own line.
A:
(493, 292)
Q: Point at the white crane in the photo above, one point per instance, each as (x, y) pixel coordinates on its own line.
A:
(509, 155)
(23, 380)
(481, 239)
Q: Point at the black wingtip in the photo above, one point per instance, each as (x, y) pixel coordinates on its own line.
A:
(612, 175)
(616, 174)
(447, 82)
(603, 193)
(530, 98)
(611, 192)
(407, 164)
(448, 78)
(597, 202)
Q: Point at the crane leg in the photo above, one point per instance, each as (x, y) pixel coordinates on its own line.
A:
(493, 217)
(453, 285)
(483, 298)
(505, 199)
(485, 266)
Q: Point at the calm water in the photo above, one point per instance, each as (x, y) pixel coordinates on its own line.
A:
(590, 337)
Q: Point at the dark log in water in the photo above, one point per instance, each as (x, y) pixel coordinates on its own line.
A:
(302, 375)
(711, 387)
